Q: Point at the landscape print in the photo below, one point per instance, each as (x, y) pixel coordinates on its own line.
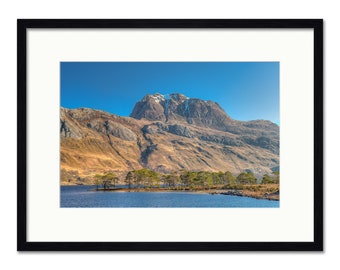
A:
(169, 134)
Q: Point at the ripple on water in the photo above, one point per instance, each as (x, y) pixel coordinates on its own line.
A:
(86, 196)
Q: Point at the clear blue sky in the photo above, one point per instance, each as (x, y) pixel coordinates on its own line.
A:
(245, 90)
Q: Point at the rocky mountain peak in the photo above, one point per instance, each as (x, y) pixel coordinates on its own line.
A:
(177, 107)
(177, 97)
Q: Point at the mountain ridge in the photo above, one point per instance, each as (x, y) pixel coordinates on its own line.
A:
(164, 133)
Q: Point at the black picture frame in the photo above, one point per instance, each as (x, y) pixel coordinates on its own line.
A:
(22, 163)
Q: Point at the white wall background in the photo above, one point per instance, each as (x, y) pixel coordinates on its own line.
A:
(11, 10)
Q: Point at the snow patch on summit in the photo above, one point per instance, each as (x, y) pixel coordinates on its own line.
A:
(158, 97)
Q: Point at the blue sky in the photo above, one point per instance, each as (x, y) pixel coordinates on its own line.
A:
(245, 90)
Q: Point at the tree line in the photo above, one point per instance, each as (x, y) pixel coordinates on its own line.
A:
(183, 180)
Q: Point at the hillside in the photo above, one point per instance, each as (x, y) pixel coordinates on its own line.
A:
(165, 134)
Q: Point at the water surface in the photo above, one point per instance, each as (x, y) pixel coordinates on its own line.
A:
(87, 196)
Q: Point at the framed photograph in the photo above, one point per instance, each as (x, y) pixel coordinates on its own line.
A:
(170, 135)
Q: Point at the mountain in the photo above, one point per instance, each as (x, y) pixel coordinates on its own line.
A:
(177, 107)
(164, 133)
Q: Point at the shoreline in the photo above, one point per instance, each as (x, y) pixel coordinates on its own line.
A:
(271, 196)
(274, 196)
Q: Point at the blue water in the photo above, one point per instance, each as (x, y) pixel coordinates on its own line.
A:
(86, 196)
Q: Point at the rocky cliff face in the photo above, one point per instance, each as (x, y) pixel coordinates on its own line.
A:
(177, 107)
(164, 133)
